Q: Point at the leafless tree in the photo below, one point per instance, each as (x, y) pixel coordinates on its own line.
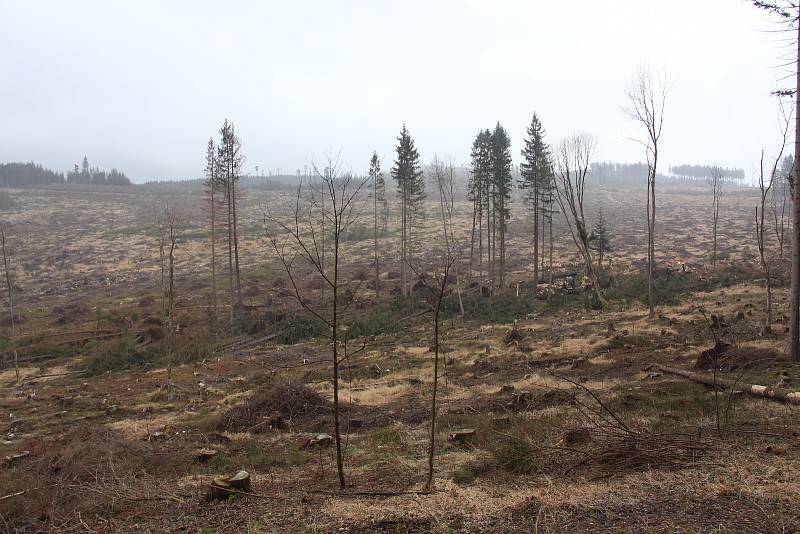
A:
(646, 99)
(10, 288)
(715, 182)
(778, 200)
(765, 184)
(443, 176)
(573, 155)
(172, 223)
(297, 239)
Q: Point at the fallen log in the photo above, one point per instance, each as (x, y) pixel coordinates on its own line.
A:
(782, 394)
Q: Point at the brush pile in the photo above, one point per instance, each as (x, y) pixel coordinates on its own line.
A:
(279, 403)
(603, 446)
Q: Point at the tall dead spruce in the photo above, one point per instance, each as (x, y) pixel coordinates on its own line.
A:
(295, 234)
(171, 224)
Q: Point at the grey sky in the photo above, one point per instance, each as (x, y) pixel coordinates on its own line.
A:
(142, 85)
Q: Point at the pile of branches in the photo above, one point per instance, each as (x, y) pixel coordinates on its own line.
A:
(603, 446)
(289, 400)
(86, 471)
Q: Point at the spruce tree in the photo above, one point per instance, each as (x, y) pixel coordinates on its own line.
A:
(229, 161)
(501, 193)
(378, 197)
(536, 173)
(600, 238)
(477, 192)
(411, 192)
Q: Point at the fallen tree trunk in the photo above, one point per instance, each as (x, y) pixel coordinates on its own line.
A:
(781, 394)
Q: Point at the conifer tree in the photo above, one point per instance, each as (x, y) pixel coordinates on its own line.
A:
(600, 239)
(378, 197)
(212, 186)
(229, 161)
(411, 192)
(501, 193)
(476, 193)
(536, 170)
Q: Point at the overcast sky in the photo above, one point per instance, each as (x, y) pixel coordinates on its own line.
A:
(142, 85)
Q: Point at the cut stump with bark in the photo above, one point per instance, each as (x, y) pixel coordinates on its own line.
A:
(223, 487)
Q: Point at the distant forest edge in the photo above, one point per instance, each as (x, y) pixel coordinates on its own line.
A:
(626, 173)
(608, 173)
(32, 174)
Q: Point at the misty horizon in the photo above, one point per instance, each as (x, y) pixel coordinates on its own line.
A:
(128, 86)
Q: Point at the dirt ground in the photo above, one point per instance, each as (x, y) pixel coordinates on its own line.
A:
(576, 427)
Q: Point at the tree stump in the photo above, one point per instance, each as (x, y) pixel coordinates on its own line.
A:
(223, 487)
(320, 440)
(204, 455)
(462, 436)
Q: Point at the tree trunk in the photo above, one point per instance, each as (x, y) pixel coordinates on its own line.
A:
(229, 199)
(10, 304)
(214, 253)
(403, 217)
(535, 237)
(335, 321)
(792, 397)
(432, 448)
(794, 294)
(472, 240)
(236, 244)
(375, 233)
(170, 313)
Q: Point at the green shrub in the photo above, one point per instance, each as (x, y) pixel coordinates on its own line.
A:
(122, 356)
(194, 350)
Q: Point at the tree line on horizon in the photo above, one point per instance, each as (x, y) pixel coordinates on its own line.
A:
(18, 174)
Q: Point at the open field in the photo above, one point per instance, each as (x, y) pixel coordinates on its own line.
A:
(576, 427)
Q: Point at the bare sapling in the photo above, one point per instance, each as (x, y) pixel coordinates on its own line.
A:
(172, 223)
(715, 183)
(295, 234)
(444, 177)
(646, 99)
(10, 288)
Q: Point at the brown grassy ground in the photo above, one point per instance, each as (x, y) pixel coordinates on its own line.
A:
(110, 453)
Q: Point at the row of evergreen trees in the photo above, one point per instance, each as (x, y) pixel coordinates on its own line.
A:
(224, 161)
(489, 190)
(95, 176)
(27, 174)
(706, 171)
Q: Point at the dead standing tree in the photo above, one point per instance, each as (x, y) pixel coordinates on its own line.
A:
(573, 157)
(715, 182)
(778, 200)
(765, 184)
(646, 106)
(171, 224)
(10, 288)
(300, 240)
